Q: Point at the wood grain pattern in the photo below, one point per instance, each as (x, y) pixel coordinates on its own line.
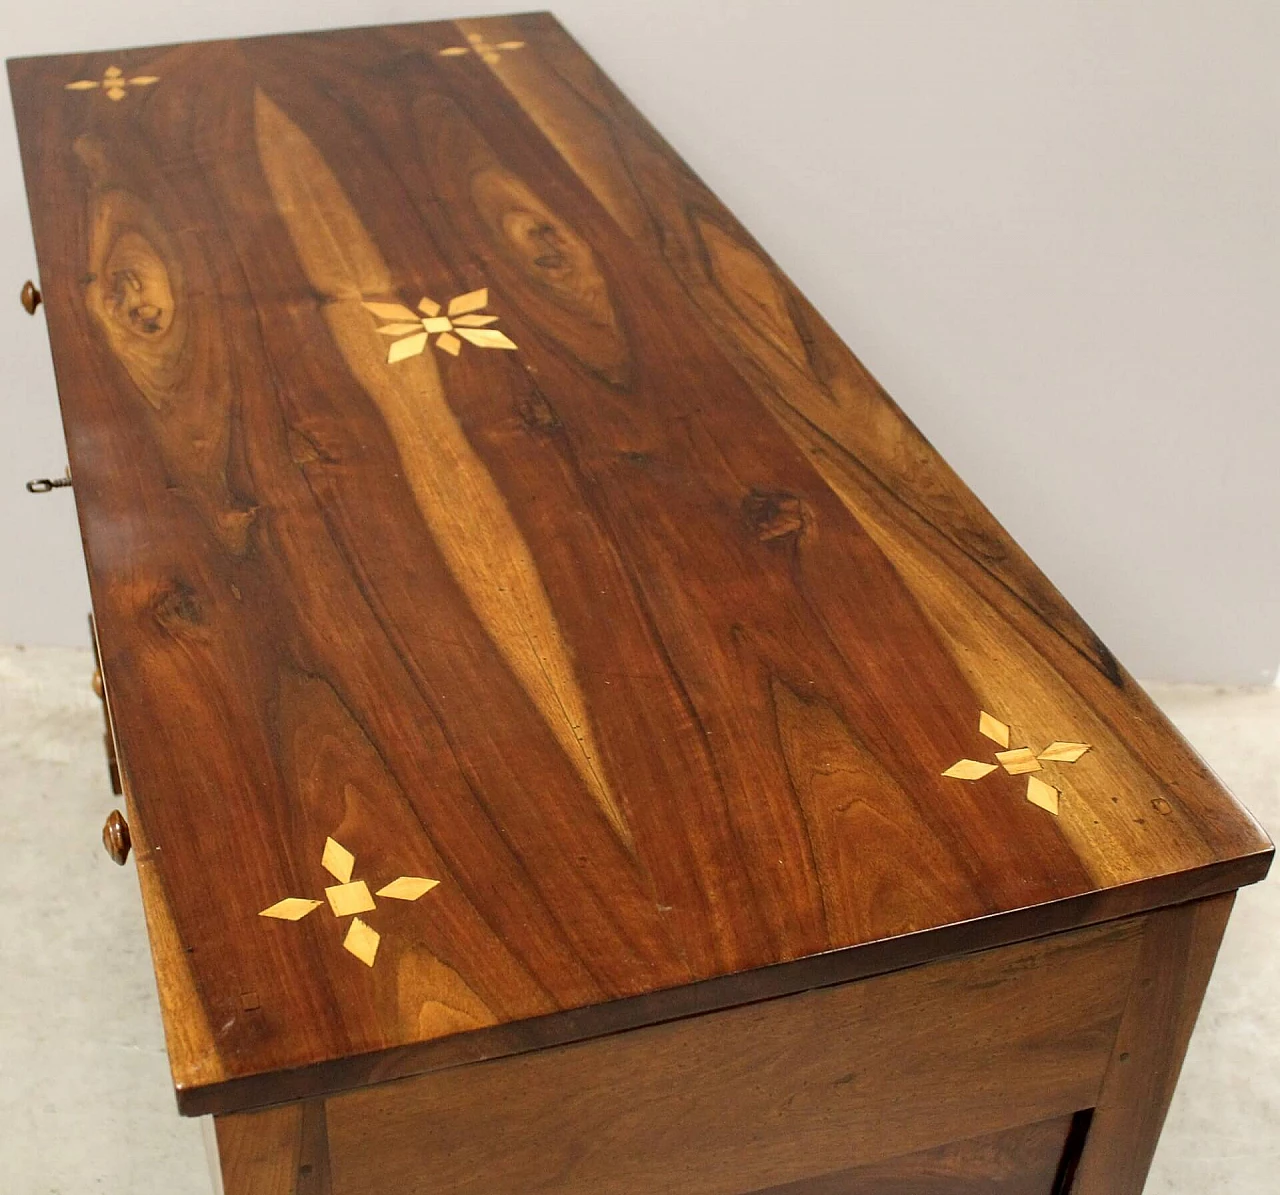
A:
(777, 1092)
(277, 1151)
(650, 639)
(460, 503)
(1022, 1161)
(1013, 634)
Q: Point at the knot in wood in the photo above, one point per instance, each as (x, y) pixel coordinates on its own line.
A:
(538, 414)
(177, 606)
(772, 514)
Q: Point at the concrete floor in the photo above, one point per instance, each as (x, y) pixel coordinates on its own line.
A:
(85, 1103)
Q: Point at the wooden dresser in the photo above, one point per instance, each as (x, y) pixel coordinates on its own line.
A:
(577, 736)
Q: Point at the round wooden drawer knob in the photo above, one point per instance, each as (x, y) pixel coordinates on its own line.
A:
(115, 837)
(30, 297)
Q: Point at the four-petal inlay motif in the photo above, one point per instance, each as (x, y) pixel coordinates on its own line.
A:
(350, 897)
(482, 47)
(1018, 761)
(114, 83)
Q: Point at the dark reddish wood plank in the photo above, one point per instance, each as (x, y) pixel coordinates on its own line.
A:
(649, 639)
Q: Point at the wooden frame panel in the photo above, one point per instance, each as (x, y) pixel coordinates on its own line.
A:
(778, 1092)
(1021, 1161)
(1178, 951)
(278, 1151)
(911, 1078)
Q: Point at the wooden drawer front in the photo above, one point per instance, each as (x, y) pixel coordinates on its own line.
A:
(1022, 1161)
(781, 1092)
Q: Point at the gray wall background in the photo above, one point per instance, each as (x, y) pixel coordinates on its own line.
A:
(1049, 228)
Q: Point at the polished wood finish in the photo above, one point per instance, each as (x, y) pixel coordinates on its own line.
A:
(116, 840)
(1178, 951)
(1022, 1161)
(29, 297)
(650, 634)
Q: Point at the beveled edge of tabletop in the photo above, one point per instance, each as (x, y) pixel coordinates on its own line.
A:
(251, 1092)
